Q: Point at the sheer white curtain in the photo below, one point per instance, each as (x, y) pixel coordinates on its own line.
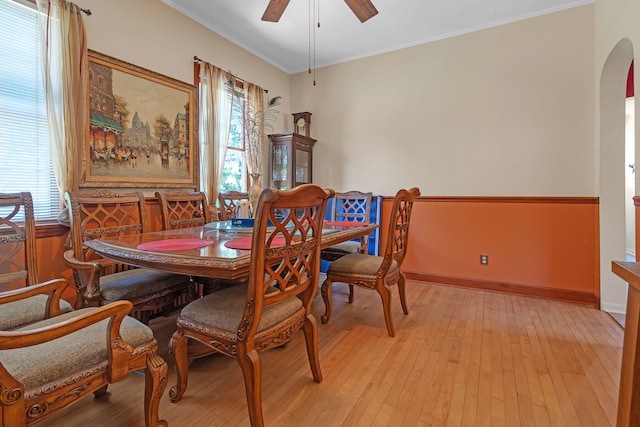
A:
(216, 106)
(64, 59)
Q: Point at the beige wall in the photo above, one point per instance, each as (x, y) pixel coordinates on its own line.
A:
(503, 111)
(152, 35)
(617, 42)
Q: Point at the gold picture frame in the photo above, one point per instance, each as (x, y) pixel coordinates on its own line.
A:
(141, 128)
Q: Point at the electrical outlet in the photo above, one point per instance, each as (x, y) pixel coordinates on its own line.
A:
(484, 259)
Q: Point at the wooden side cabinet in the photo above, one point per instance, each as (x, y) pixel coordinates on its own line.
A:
(291, 159)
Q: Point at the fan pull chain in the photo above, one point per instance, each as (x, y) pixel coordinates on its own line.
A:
(316, 16)
(309, 33)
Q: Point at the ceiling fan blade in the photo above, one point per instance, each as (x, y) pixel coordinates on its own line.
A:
(274, 10)
(363, 9)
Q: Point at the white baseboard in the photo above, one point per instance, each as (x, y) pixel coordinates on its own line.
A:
(613, 307)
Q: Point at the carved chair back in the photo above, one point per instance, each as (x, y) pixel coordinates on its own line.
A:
(183, 209)
(353, 206)
(104, 213)
(229, 203)
(398, 231)
(17, 241)
(285, 253)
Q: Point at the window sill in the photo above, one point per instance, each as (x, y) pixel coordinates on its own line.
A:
(50, 229)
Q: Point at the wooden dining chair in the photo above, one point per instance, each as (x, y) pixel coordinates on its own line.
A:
(351, 206)
(184, 209)
(181, 209)
(18, 261)
(377, 272)
(264, 313)
(104, 213)
(228, 202)
(49, 365)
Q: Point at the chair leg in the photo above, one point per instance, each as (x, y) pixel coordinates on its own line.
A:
(252, 372)
(401, 291)
(155, 381)
(385, 294)
(327, 298)
(101, 391)
(178, 352)
(350, 294)
(310, 329)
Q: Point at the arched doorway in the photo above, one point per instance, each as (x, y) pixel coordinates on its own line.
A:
(613, 290)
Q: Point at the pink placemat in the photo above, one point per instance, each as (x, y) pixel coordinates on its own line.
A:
(245, 243)
(174, 244)
(345, 223)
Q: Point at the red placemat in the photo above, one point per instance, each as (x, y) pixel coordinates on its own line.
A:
(346, 223)
(245, 243)
(174, 244)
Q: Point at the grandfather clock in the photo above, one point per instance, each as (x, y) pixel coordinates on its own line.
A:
(292, 154)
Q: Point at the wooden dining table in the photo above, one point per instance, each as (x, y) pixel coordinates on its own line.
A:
(213, 258)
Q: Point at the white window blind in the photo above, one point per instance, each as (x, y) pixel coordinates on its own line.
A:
(25, 156)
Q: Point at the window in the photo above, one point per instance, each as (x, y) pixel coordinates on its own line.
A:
(25, 156)
(234, 174)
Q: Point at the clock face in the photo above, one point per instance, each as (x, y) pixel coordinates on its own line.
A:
(300, 123)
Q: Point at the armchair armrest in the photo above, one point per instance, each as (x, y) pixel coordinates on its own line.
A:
(87, 278)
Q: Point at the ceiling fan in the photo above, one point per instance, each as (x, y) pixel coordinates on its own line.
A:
(363, 9)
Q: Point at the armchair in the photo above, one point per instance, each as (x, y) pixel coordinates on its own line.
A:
(18, 262)
(100, 281)
(49, 365)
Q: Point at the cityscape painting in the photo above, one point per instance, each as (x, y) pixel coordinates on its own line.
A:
(141, 127)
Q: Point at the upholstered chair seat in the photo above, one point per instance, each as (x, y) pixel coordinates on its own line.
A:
(362, 267)
(68, 355)
(223, 310)
(341, 249)
(135, 284)
(27, 311)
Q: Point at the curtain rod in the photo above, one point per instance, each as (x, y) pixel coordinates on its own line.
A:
(198, 60)
(86, 11)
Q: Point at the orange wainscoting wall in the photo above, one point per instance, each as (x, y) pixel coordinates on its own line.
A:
(539, 246)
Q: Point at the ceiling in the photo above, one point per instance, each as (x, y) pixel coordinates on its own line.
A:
(342, 37)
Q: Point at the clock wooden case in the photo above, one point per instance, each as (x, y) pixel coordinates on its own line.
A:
(292, 154)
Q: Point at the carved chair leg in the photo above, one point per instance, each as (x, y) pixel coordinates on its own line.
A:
(350, 294)
(178, 352)
(155, 382)
(252, 373)
(310, 329)
(401, 291)
(385, 294)
(101, 391)
(327, 298)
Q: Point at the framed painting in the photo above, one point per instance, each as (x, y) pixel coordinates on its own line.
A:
(141, 127)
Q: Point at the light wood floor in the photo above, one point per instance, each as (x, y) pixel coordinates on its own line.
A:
(461, 358)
